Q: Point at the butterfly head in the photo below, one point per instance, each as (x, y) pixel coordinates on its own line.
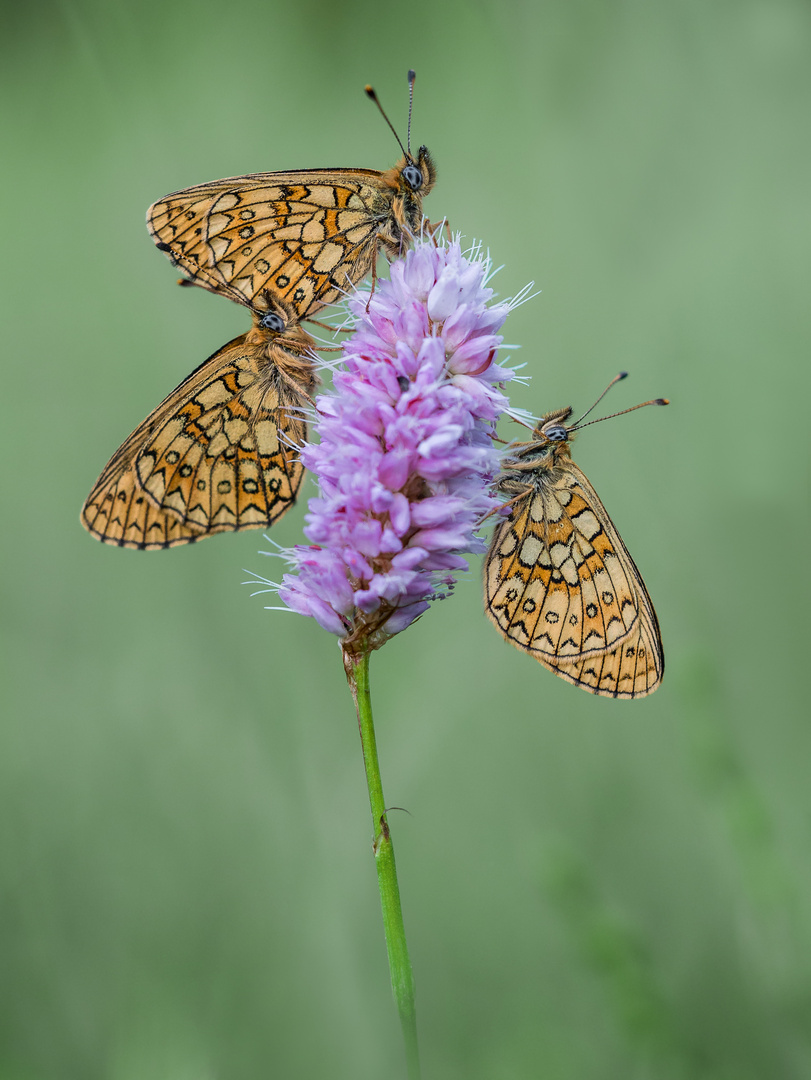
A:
(417, 176)
(272, 321)
(271, 313)
(275, 323)
(553, 427)
(411, 176)
(550, 439)
(410, 180)
(549, 445)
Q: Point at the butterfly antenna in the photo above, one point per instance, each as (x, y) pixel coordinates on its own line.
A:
(654, 401)
(411, 77)
(371, 93)
(617, 378)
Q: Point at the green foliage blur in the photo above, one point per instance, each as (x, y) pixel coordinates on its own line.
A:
(592, 889)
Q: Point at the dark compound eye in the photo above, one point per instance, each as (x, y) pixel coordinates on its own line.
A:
(413, 177)
(557, 433)
(272, 321)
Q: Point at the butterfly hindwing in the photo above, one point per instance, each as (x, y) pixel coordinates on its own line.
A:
(560, 583)
(562, 589)
(219, 454)
(307, 237)
(632, 669)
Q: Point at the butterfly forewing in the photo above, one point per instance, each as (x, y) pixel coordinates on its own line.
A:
(219, 454)
(307, 237)
(561, 585)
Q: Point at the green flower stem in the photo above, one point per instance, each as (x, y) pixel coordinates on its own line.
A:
(402, 977)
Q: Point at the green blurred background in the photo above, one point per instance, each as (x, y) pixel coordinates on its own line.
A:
(592, 889)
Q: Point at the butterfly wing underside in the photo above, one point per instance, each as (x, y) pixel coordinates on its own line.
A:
(307, 237)
(219, 454)
(561, 585)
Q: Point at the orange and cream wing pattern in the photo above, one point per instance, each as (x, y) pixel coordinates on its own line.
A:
(307, 237)
(634, 667)
(561, 585)
(219, 454)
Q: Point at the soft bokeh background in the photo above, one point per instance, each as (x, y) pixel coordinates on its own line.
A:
(592, 889)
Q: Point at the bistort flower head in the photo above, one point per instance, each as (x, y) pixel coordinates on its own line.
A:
(406, 456)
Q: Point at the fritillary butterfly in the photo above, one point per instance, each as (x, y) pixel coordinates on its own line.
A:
(305, 236)
(559, 582)
(220, 453)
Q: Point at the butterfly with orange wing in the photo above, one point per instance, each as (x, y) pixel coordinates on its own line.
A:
(221, 452)
(308, 236)
(559, 582)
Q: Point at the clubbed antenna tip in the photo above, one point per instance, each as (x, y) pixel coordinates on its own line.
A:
(371, 93)
(617, 378)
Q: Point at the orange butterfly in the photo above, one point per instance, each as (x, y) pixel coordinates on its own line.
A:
(306, 236)
(559, 582)
(220, 453)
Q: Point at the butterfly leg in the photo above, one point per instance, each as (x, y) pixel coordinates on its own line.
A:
(510, 502)
(436, 228)
(187, 283)
(374, 282)
(334, 329)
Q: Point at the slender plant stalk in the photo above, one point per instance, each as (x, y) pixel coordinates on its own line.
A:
(402, 977)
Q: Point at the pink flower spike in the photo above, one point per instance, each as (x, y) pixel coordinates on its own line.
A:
(405, 457)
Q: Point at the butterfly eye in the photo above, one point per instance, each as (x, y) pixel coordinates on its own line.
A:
(556, 433)
(413, 177)
(271, 321)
